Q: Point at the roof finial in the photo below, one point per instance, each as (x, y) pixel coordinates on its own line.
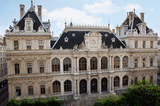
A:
(65, 21)
(134, 10)
(108, 25)
(71, 22)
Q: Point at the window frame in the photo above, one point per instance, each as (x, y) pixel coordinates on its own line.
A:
(29, 68)
(16, 45)
(17, 71)
(30, 90)
(42, 88)
(18, 91)
(29, 44)
(41, 44)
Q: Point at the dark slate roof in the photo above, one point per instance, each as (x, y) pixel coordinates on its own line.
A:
(79, 38)
(137, 20)
(35, 18)
(52, 42)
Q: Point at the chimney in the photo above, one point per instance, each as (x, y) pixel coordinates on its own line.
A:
(22, 10)
(142, 17)
(39, 11)
(130, 17)
(113, 31)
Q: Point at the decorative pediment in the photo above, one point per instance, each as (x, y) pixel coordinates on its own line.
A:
(93, 41)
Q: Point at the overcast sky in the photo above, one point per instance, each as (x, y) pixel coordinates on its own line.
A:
(93, 12)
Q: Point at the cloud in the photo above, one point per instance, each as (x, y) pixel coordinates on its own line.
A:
(130, 7)
(58, 17)
(104, 7)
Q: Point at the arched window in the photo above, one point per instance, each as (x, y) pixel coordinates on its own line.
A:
(116, 81)
(67, 64)
(135, 62)
(104, 84)
(82, 63)
(125, 80)
(143, 78)
(132, 82)
(104, 63)
(67, 86)
(116, 62)
(144, 44)
(16, 68)
(93, 63)
(125, 61)
(136, 79)
(56, 86)
(144, 62)
(55, 65)
(151, 62)
(136, 44)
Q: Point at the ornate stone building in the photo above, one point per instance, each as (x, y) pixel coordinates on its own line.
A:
(84, 59)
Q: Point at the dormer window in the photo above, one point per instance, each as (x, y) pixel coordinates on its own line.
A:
(113, 39)
(66, 39)
(28, 26)
(105, 35)
(73, 34)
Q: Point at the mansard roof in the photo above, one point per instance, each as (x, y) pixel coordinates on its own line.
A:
(36, 20)
(79, 38)
(136, 21)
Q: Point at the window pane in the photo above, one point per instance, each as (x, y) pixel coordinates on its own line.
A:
(29, 67)
(18, 91)
(30, 90)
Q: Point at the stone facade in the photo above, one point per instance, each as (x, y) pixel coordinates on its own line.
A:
(35, 68)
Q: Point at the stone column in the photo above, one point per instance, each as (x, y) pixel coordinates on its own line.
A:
(121, 62)
(129, 80)
(62, 88)
(109, 84)
(155, 61)
(109, 64)
(48, 65)
(129, 63)
(140, 62)
(75, 86)
(121, 80)
(88, 64)
(78, 86)
(61, 65)
(35, 67)
(147, 62)
(112, 62)
(77, 59)
(99, 64)
(88, 85)
(99, 85)
(112, 83)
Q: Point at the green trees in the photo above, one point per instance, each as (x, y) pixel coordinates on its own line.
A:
(142, 93)
(40, 102)
(53, 101)
(27, 102)
(13, 102)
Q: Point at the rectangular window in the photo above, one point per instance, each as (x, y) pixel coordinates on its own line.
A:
(136, 63)
(15, 45)
(29, 67)
(30, 90)
(42, 89)
(41, 44)
(136, 44)
(144, 44)
(16, 68)
(18, 91)
(28, 45)
(151, 44)
(151, 78)
(41, 67)
(28, 24)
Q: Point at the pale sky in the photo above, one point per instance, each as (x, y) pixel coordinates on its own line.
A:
(93, 12)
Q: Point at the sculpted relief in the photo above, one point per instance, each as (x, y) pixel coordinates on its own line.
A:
(93, 41)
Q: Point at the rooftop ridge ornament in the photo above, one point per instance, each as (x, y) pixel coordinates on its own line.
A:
(32, 7)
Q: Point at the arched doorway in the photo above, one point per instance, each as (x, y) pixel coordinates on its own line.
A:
(83, 86)
(93, 85)
(104, 84)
